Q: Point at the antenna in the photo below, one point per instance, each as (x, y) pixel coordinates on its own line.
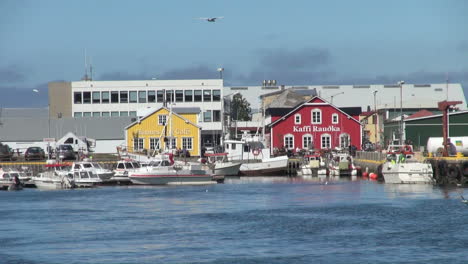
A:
(85, 77)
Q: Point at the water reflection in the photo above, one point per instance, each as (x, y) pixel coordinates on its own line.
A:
(410, 190)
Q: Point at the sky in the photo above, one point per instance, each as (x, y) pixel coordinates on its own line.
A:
(296, 42)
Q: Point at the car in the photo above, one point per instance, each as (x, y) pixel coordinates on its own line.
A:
(5, 152)
(65, 152)
(34, 153)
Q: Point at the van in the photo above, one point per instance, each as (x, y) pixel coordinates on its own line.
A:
(65, 152)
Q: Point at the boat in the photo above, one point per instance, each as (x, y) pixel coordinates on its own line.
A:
(402, 168)
(122, 169)
(104, 174)
(255, 157)
(9, 181)
(54, 178)
(221, 166)
(162, 170)
(84, 178)
(312, 165)
(342, 164)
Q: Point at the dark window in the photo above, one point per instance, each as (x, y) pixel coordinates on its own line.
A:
(151, 97)
(142, 96)
(207, 116)
(105, 97)
(96, 97)
(77, 98)
(160, 96)
(123, 97)
(216, 115)
(114, 97)
(179, 96)
(198, 96)
(216, 95)
(169, 96)
(86, 97)
(188, 95)
(68, 141)
(133, 97)
(206, 95)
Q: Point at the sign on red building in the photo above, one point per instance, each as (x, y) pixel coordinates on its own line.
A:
(315, 124)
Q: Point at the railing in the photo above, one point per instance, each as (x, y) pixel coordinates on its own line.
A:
(369, 155)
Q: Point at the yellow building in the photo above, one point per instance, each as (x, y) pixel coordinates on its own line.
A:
(371, 127)
(161, 130)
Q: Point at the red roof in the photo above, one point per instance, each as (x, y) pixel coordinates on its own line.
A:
(421, 113)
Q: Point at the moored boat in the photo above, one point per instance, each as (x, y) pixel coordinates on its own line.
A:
(221, 166)
(54, 178)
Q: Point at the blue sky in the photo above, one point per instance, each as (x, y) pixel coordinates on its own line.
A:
(294, 42)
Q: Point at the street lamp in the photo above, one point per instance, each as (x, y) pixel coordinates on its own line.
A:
(48, 114)
(376, 118)
(400, 83)
(331, 101)
(220, 72)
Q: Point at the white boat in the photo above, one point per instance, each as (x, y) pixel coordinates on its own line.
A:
(255, 157)
(312, 165)
(54, 178)
(85, 178)
(402, 167)
(9, 181)
(221, 166)
(162, 171)
(104, 174)
(122, 169)
(342, 164)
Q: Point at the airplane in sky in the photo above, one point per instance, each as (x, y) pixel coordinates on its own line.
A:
(210, 19)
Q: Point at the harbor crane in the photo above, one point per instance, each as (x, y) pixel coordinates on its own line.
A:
(444, 106)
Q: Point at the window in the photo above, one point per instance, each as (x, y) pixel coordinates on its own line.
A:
(307, 141)
(216, 95)
(133, 97)
(207, 116)
(114, 113)
(86, 97)
(138, 143)
(96, 97)
(171, 144)
(297, 119)
(160, 96)
(316, 116)
(154, 143)
(326, 141)
(142, 96)
(334, 118)
(105, 114)
(123, 113)
(216, 116)
(206, 95)
(77, 98)
(289, 141)
(188, 95)
(151, 97)
(344, 140)
(197, 97)
(69, 141)
(87, 114)
(114, 97)
(123, 97)
(105, 97)
(96, 114)
(179, 96)
(132, 113)
(187, 143)
(170, 96)
(162, 119)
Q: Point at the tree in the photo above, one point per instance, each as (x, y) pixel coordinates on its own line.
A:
(240, 109)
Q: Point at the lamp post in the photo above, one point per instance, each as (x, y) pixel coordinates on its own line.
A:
(400, 83)
(376, 118)
(331, 101)
(220, 72)
(48, 114)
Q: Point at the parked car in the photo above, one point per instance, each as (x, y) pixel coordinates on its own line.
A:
(65, 152)
(5, 152)
(34, 153)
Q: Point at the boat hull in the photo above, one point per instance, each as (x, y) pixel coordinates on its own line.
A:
(50, 185)
(407, 173)
(266, 167)
(159, 179)
(227, 169)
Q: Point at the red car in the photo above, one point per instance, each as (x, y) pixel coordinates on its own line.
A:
(34, 153)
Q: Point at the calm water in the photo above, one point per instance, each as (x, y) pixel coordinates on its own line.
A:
(248, 220)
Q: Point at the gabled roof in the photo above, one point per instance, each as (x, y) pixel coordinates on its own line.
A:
(157, 110)
(439, 115)
(421, 113)
(316, 100)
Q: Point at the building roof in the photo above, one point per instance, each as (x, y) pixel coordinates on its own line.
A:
(434, 116)
(289, 98)
(35, 129)
(421, 113)
(174, 113)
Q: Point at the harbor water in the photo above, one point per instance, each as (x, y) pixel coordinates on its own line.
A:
(244, 220)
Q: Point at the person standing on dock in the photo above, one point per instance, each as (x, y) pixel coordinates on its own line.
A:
(452, 150)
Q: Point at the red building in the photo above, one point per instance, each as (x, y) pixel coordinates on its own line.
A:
(315, 124)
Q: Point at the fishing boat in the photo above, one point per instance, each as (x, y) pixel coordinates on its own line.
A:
(312, 165)
(255, 157)
(54, 177)
(162, 170)
(342, 164)
(402, 167)
(221, 166)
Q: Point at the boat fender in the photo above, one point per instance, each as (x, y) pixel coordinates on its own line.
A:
(373, 176)
(255, 152)
(465, 168)
(365, 174)
(452, 171)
